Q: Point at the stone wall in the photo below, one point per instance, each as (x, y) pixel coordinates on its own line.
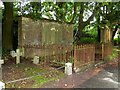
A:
(44, 38)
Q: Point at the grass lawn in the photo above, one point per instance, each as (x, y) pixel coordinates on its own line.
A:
(38, 75)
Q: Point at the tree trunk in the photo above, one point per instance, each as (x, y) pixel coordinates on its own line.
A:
(81, 25)
(98, 37)
(7, 26)
(98, 28)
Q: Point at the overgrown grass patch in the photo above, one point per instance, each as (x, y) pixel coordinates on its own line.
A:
(41, 80)
(35, 82)
(113, 55)
(39, 75)
(31, 70)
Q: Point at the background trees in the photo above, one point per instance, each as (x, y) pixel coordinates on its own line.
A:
(88, 17)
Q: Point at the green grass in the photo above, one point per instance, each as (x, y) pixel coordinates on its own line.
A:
(37, 81)
(41, 80)
(31, 70)
(113, 55)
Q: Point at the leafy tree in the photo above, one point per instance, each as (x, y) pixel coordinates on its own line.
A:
(81, 14)
(110, 16)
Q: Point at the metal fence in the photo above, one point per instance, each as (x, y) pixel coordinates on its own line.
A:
(52, 42)
(83, 54)
(51, 54)
(102, 51)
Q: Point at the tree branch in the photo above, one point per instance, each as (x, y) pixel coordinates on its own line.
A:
(75, 8)
(92, 16)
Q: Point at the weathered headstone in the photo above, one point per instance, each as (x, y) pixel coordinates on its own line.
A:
(36, 60)
(68, 68)
(2, 85)
(1, 62)
(12, 53)
(16, 54)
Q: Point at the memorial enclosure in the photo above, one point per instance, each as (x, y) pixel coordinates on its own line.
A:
(47, 39)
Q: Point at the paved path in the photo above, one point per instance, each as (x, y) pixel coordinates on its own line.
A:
(105, 76)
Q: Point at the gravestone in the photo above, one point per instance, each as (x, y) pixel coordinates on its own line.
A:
(1, 62)
(36, 60)
(2, 85)
(16, 54)
(68, 68)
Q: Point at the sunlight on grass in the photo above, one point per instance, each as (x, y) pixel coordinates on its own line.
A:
(31, 70)
(41, 76)
(40, 80)
(37, 81)
(113, 55)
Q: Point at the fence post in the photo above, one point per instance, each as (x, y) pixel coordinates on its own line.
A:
(75, 56)
(102, 51)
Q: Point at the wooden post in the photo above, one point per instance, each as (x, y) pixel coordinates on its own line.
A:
(75, 57)
(102, 51)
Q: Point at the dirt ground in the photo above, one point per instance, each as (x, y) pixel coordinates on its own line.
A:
(42, 74)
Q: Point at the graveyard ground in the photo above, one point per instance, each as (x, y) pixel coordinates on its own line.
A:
(28, 75)
(34, 75)
(104, 76)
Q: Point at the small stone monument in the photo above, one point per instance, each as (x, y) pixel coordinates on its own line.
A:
(36, 60)
(12, 53)
(68, 68)
(16, 54)
(1, 62)
(2, 85)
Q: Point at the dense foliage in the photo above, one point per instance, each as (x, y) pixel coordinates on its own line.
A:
(88, 17)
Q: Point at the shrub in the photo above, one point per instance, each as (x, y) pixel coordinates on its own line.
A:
(87, 40)
(116, 41)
